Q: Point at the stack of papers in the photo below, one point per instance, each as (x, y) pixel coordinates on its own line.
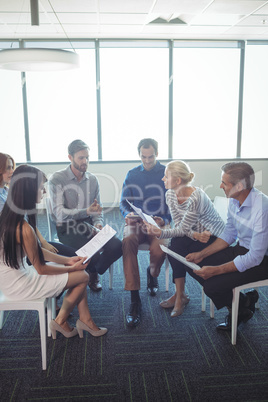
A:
(96, 243)
(142, 215)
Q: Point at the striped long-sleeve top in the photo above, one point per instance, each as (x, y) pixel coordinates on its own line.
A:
(196, 214)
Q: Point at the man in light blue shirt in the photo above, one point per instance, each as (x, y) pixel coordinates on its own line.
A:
(225, 267)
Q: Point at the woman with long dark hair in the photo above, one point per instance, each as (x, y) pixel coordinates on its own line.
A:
(18, 239)
(7, 167)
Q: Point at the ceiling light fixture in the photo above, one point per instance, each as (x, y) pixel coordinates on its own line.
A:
(38, 59)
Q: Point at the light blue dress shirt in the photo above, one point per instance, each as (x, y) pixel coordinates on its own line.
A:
(249, 224)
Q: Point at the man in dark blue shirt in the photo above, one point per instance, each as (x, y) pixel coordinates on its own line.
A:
(144, 188)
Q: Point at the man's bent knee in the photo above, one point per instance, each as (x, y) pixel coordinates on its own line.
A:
(129, 242)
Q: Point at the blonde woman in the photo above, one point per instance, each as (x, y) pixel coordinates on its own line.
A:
(196, 224)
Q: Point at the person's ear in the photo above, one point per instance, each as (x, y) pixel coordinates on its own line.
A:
(70, 157)
(179, 181)
(240, 186)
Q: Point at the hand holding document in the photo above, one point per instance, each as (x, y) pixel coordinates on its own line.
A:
(96, 243)
(180, 258)
(142, 215)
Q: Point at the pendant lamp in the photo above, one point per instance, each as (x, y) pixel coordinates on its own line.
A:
(37, 59)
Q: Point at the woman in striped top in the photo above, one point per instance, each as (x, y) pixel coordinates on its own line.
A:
(196, 225)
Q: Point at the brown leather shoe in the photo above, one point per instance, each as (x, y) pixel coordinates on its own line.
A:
(94, 282)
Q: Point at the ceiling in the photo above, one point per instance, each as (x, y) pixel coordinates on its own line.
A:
(179, 19)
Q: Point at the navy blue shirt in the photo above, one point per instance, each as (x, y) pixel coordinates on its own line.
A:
(146, 190)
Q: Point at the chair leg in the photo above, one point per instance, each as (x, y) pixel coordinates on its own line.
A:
(211, 309)
(111, 274)
(167, 274)
(235, 306)
(51, 312)
(53, 308)
(211, 304)
(203, 300)
(1, 319)
(257, 305)
(42, 324)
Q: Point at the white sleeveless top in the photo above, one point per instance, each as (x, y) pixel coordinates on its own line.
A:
(26, 284)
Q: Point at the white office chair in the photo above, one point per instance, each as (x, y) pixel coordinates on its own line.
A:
(39, 305)
(235, 304)
(203, 304)
(146, 247)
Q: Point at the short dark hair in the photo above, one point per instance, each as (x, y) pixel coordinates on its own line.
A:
(76, 146)
(146, 143)
(240, 171)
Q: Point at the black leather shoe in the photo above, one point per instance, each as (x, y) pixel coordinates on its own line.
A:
(133, 317)
(152, 283)
(94, 282)
(243, 316)
(253, 297)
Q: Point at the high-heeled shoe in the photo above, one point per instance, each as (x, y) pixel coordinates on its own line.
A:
(169, 304)
(166, 304)
(54, 326)
(177, 312)
(80, 325)
(185, 299)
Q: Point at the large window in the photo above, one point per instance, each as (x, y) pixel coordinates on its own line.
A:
(188, 95)
(255, 117)
(206, 93)
(134, 100)
(11, 121)
(62, 108)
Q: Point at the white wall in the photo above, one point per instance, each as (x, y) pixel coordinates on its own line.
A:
(207, 175)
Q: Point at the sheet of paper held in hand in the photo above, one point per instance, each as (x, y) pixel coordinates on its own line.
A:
(180, 258)
(96, 243)
(143, 216)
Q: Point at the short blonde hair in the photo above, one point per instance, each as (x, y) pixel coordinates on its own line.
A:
(180, 169)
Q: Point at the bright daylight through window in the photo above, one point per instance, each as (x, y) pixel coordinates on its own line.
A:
(199, 119)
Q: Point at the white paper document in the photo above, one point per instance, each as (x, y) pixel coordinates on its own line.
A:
(96, 243)
(143, 216)
(180, 258)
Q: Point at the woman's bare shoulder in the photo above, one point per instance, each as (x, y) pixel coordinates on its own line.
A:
(27, 231)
